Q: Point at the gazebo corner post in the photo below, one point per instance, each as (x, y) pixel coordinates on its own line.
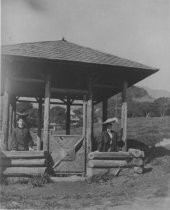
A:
(5, 121)
(14, 112)
(124, 115)
(39, 141)
(68, 117)
(104, 111)
(90, 117)
(85, 131)
(47, 112)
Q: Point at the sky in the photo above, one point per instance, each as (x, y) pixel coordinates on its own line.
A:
(133, 29)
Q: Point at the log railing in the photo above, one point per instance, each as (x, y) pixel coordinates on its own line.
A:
(23, 163)
(101, 162)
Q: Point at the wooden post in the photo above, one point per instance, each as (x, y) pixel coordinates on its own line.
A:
(104, 116)
(46, 113)
(124, 115)
(39, 124)
(14, 112)
(5, 122)
(68, 118)
(85, 131)
(90, 118)
(10, 118)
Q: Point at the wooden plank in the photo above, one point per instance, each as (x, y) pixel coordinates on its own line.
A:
(124, 115)
(47, 113)
(8, 162)
(110, 156)
(78, 144)
(5, 119)
(24, 171)
(107, 163)
(23, 154)
(69, 91)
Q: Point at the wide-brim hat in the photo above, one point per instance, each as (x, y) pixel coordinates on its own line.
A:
(22, 115)
(110, 120)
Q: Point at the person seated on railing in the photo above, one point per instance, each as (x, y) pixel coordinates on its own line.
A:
(21, 137)
(109, 140)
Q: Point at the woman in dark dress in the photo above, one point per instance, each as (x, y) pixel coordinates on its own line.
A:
(109, 140)
(21, 137)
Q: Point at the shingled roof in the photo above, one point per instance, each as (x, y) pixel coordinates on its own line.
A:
(67, 51)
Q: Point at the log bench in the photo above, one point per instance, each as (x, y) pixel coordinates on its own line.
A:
(23, 163)
(104, 162)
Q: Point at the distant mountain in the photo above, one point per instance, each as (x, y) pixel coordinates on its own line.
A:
(139, 94)
(157, 93)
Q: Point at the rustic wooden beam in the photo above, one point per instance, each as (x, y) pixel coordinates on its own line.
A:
(31, 80)
(104, 110)
(105, 86)
(5, 121)
(124, 115)
(24, 171)
(107, 163)
(47, 113)
(90, 117)
(23, 162)
(23, 154)
(39, 124)
(52, 102)
(110, 156)
(69, 91)
(68, 118)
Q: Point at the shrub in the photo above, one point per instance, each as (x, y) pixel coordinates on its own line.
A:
(39, 180)
(3, 180)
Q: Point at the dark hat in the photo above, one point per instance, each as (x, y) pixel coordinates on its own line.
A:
(21, 115)
(110, 120)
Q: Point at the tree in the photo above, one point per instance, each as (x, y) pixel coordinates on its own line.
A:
(24, 107)
(160, 106)
(27, 107)
(145, 108)
(57, 115)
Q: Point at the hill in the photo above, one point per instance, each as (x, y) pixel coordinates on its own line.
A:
(157, 93)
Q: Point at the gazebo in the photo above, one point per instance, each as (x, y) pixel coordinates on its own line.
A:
(68, 72)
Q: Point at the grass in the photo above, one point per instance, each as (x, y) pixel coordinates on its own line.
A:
(147, 130)
(116, 191)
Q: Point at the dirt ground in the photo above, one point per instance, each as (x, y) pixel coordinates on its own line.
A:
(150, 190)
